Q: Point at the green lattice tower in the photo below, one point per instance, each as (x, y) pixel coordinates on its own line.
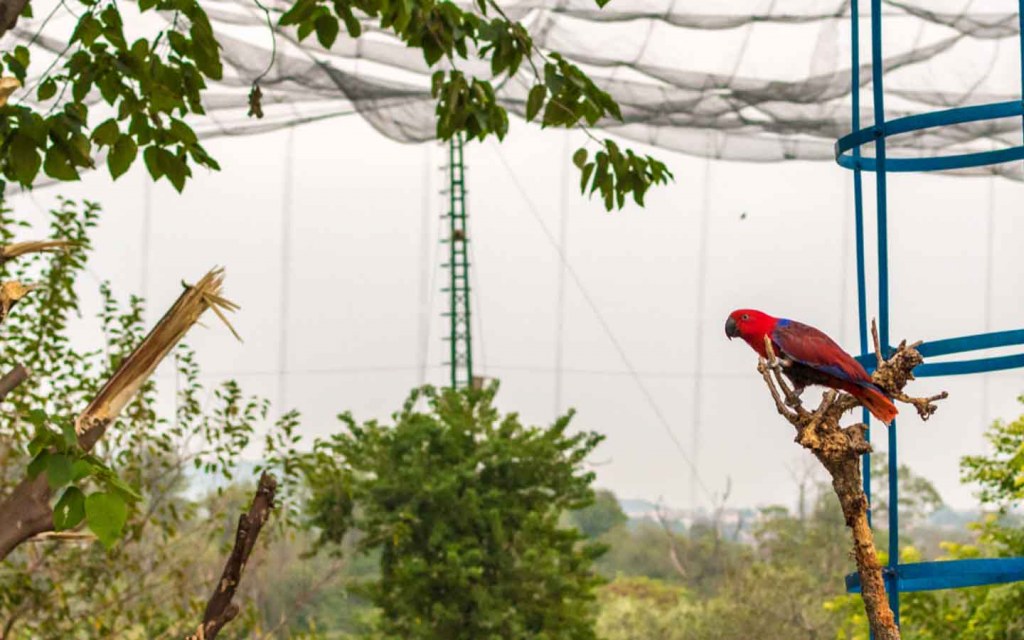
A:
(460, 341)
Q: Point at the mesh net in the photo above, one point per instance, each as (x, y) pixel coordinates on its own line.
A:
(749, 80)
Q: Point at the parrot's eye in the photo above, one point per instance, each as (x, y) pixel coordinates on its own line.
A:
(744, 317)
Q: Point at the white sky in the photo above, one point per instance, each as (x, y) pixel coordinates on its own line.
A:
(363, 251)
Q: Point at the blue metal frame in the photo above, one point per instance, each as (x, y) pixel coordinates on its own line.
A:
(925, 575)
(954, 574)
(927, 121)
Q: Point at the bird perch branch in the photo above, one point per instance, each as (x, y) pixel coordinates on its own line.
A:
(220, 609)
(839, 450)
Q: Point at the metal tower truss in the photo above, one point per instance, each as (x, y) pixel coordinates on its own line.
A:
(460, 340)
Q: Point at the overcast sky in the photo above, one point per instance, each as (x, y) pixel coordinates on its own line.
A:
(363, 301)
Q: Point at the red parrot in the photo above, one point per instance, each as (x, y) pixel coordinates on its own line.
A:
(809, 357)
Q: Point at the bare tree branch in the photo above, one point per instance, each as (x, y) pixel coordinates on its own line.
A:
(303, 599)
(220, 609)
(12, 379)
(839, 450)
(9, 12)
(15, 249)
(673, 551)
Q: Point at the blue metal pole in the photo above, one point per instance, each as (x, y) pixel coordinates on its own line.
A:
(858, 209)
(877, 71)
(1020, 42)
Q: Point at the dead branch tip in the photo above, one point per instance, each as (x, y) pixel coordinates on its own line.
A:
(220, 609)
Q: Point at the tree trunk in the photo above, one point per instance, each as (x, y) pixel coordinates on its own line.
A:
(26, 512)
(846, 480)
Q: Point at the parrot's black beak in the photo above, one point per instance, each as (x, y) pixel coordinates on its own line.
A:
(731, 330)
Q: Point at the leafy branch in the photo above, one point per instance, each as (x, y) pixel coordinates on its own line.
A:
(149, 89)
(560, 92)
(152, 80)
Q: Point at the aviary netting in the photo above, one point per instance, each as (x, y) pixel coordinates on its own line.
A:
(742, 80)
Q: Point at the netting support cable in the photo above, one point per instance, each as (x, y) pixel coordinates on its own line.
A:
(285, 280)
(602, 321)
(423, 337)
(698, 344)
(563, 239)
(144, 245)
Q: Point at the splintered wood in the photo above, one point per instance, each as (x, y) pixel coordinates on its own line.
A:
(140, 364)
(15, 249)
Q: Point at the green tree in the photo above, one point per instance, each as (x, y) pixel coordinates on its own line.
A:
(150, 76)
(918, 496)
(645, 551)
(599, 518)
(643, 608)
(988, 612)
(463, 504)
(776, 589)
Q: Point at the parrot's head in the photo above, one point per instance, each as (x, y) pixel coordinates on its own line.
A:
(751, 325)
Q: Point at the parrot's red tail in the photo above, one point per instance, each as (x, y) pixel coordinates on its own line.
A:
(877, 403)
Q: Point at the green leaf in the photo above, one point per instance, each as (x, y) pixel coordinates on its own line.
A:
(183, 132)
(431, 52)
(37, 417)
(174, 168)
(302, 10)
(352, 25)
(121, 156)
(25, 159)
(305, 29)
(58, 470)
(106, 133)
(87, 31)
(107, 514)
(206, 50)
(38, 464)
(179, 43)
(588, 169)
(58, 166)
(21, 54)
(326, 30)
(122, 488)
(81, 469)
(70, 437)
(535, 101)
(580, 157)
(69, 510)
(151, 156)
(47, 90)
(37, 444)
